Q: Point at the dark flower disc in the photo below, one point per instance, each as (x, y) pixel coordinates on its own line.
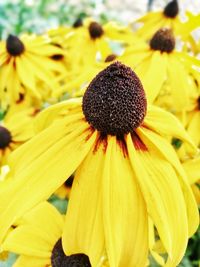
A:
(171, 9)
(14, 45)
(78, 23)
(76, 260)
(198, 103)
(110, 58)
(95, 30)
(114, 102)
(163, 40)
(58, 254)
(5, 137)
(59, 259)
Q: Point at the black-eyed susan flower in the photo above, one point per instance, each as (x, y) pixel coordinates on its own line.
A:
(154, 20)
(126, 172)
(25, 63)
(160, 59)
(37, 240)
(15, 130)
(88, 40)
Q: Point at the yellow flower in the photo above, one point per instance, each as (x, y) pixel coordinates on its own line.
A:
(154, 20)
(126, 171)
(87, 40)
(158, 64)
(15, 130)
(37, 239)
(25, 62)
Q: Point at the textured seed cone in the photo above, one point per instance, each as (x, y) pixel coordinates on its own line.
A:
(171, 10)
(114, 102)
(95, 30)
(14, 45)
(163, 40)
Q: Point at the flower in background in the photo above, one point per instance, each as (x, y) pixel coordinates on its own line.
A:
(37, 240)
(160, 59)
(124, 166)
(15, 129)
(25, 63)
(154, 20)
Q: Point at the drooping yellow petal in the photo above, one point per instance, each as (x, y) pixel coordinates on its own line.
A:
(46, 171)
(48, 116)
(192, 167)
(194, 127)
(83, 231)
(152, 76)
(164, 199)
(179, 86)
(124, 211)
(167, 125)
(162, 148)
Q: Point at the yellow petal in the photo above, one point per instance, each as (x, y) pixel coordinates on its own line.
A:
(45, 172)
(164, 199)
(83, 231)
(152, 76)
(24, 261)
(192, 167)
(194, 127)
(37, 232)
(124, 211)
(167, 125)
(164, 150)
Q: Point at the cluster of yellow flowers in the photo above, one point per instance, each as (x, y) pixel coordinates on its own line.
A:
(115, 110)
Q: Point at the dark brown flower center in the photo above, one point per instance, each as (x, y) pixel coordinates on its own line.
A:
(171, 10)
(14, 45)
(5, 137)
(78, 23)
(114, 102)
(57, 57)
(198, 103)
(59, 259)
(111, 58)
(163, 40)
(95, 30)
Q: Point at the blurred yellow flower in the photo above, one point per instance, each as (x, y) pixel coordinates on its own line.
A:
(158, 64)
(25, 62)
(15, 130)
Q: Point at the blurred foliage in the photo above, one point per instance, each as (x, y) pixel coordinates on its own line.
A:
(192, 255)
(17, 16)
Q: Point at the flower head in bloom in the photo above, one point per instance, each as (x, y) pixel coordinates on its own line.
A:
(160, 59)
(15, 130)
(25, 62)
(37, 239)
(155, 20)
(126, 172)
